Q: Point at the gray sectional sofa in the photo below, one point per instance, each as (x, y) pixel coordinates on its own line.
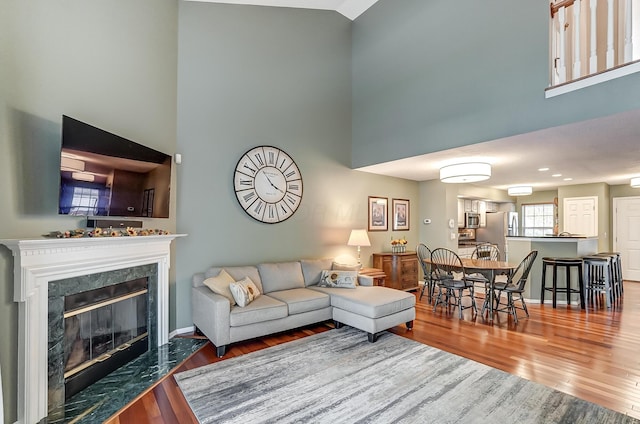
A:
(290, 298)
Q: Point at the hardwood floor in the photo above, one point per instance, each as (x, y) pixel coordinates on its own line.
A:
(592, 354)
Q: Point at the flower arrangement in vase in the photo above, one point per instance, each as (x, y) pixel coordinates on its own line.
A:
(398, 245)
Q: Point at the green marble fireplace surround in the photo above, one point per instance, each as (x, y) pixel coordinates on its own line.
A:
(47, 269)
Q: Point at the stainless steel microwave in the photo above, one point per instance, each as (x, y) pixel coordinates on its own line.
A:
(471, 220)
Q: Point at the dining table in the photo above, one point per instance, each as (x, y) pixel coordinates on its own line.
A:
(487, 268)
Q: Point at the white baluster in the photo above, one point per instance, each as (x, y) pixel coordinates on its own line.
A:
(628, 26)
(562, 69)
(610, 48)
(593, 56)
(577, 64)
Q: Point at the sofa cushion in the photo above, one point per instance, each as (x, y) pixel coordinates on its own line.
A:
(264, 308)
(302, 300)
(244, 291)
(238, 273)
(370, 302)
(312, 268)
(220, 285)
(281, 276)
(338, 279)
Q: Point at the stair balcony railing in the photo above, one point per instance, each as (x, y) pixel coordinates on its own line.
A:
(592, 41)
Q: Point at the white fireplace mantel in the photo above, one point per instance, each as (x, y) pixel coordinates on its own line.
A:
(39, 261)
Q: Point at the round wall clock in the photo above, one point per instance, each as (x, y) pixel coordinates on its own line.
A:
(268, 184)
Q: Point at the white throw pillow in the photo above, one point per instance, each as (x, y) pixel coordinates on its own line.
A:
(338, 279)
(244, 291)
(220, 285)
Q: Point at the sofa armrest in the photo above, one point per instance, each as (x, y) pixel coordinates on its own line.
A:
(198, 279)
(210, 313)
(365, 280)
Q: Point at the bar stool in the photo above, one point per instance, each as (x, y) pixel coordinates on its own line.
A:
(568, 264)
(615, 272)
(598, 277)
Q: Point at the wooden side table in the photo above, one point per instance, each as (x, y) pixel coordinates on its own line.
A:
(401, 269)
(377, 274)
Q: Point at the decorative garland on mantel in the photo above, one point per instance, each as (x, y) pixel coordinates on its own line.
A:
(109, 232)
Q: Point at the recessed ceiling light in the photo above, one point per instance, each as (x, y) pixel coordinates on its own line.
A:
(557, 175)
(567, 179)
(543, 169)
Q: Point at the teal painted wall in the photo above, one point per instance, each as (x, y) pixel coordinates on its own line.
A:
(112, 63)
(252, 76)
(429, 75)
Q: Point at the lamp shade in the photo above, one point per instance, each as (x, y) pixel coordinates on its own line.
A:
(520, 190)
(358, 238)
(635, 182)
(465, 172)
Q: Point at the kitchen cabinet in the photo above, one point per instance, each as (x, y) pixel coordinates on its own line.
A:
(470, 205)
(492, 207)
(401, 269)
(482, 210)
(461, 213)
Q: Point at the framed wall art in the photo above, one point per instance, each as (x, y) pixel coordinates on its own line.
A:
(400, 208)
(378, 214)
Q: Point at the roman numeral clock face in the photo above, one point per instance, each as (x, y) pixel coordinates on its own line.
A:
(268, 184)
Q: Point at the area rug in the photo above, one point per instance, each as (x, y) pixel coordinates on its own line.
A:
(339, 377)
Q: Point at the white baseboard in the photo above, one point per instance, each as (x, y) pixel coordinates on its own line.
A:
(184, 330)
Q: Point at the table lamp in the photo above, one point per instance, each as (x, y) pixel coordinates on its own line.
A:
(358, 238)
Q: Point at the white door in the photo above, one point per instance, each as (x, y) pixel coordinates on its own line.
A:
(626, 235)
(581, 216)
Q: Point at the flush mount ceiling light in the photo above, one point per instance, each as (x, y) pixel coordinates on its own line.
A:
(635, 182)
(520, 191)
(469, 172)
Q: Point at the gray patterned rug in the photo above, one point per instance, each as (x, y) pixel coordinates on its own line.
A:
(339, 377)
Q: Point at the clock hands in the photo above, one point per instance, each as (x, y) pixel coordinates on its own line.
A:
(273, 185)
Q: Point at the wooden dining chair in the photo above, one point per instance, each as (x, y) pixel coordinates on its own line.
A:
(514, 286)
(451, 280)
(423, 253)
(484, 252)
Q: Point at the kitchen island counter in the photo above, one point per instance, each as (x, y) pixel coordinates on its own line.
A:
(548, 246)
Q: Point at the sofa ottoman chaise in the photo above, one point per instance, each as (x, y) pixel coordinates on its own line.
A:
(372, 309)
(290, 298)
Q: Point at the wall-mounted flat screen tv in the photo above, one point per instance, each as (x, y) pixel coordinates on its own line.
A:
(103, 174)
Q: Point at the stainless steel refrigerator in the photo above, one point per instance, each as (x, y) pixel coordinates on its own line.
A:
(499, 226)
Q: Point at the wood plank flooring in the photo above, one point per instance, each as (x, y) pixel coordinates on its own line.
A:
(592, 354)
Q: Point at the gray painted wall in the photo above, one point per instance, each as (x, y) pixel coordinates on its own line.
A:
(252, 76)
(111, 63)
(428, 76)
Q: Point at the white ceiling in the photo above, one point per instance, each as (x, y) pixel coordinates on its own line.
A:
(349, 8)
(600, 150)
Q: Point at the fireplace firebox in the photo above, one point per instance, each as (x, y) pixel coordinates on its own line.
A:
(104, 329)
